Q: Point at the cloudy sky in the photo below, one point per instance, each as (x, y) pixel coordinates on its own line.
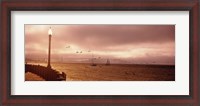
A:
(132, 43)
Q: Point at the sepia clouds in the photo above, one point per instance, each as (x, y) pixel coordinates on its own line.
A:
(141, 43)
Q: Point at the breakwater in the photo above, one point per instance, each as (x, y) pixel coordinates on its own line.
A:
(46, 73)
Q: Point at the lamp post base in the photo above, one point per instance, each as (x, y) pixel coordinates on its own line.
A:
(49, 66)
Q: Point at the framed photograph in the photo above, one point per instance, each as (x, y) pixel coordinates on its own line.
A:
(70, 52)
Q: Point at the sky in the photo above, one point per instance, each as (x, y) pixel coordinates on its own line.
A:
(139, 44)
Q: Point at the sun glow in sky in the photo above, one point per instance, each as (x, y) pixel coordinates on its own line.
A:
(134, 43)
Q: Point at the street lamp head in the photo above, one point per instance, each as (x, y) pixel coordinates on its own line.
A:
(50, 31)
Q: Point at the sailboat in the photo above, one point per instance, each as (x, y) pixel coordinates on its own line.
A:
(108, 62)
(93, 64)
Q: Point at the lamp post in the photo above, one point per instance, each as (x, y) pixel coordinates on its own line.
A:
(49, 53)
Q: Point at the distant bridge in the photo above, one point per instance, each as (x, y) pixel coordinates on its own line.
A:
(46, 73)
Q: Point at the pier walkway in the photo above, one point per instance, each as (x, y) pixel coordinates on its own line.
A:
(48, 74)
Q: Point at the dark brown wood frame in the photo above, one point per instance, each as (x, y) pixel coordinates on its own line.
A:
(99, 5)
